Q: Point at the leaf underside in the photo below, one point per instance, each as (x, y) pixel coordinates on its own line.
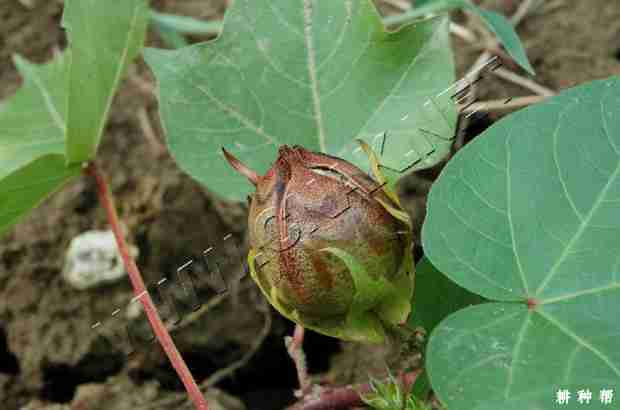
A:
(530, 212)
(313, 73)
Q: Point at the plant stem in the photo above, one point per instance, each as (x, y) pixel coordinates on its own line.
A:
(345, 397)
(523, 82)
(296, 352)
(141, 293)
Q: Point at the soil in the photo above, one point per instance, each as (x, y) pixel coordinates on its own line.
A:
(50, 357)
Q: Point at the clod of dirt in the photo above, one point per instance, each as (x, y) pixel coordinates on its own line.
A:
(93, 259)
(119, 393)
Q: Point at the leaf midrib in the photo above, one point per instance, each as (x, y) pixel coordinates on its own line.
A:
(312, 73)
(117, 76)
(119, 70)
(47, 98)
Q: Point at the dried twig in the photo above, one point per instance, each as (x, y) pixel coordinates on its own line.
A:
(503, 104)
(464, 120)
(522, 11)
(492, 46)
(149, 131)
(463, 32)
(523, 82)
(212, 303)
(525, 7)
(258, 342)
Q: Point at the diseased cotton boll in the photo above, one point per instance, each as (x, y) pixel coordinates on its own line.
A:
(93, 259)
(330, 247)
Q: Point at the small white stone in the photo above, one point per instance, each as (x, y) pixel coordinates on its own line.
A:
(93, 259)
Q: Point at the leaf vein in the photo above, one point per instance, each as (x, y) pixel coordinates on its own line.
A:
(238, 116)
(472, 228)
(606, 129)
(556, 162)
(471, 267)
(47, 98)
(580, 341)
(582, 227)
(509, 215)
(479, 195)
(610, 287)
(516, 351)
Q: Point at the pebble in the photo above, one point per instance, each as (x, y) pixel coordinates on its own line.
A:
(93, 260)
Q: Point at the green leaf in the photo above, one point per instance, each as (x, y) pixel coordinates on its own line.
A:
(435, 297)
(506, 35)
(527, 215)
(186, 25)
(313, 73)
(64, 100)
(25, 188)
(32, 122)
(498, 24)
(105, 36)
(421, 387)
(172, 27)
(32, 126)
(171, 36)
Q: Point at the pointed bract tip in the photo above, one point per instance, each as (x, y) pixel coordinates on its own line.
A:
(241, 167)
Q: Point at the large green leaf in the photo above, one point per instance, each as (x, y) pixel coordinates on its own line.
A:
(314, 73)
(528, 215)
(105, 36)
(66, 99)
